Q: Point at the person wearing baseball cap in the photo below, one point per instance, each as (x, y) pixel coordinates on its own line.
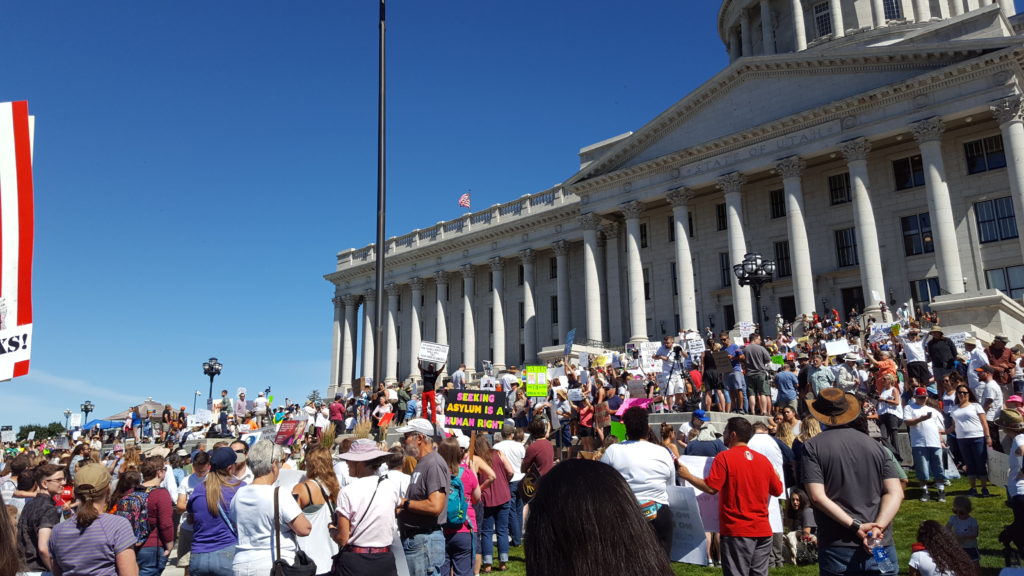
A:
(424, 511)
(926, 431)
(213, 539)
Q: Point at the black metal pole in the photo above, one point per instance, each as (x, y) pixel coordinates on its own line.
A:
(378, 336)
(209, 399)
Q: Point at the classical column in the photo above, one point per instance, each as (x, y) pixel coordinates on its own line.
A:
(391, 358)
(348, 338)
(680, 199)
(498, 279)
(415, 337)
(602, 275)
(767, 30)
(730, 184)
(958, 7)
(1009, 114)
(441, 331)
(336, 338)
(614, 283)
(529, 259)
(878, 13)
(564, 311)
(836, 10)
(735, 45)
(799, 30)
(799, 249)
(922, 10)
(745, 40)
(870, 256)
(468, 320)
(591, 279)
(928, 134)
(635, 273)
(369, 311)
(1009, 9)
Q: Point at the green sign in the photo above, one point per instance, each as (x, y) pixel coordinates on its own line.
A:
(536, 381)
(619, 431)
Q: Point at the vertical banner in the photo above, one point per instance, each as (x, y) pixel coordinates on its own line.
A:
(16, 239)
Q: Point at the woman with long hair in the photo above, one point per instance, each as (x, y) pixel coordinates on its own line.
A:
(937, 553)
(126, 484)
(972, 435)
(316, 496)
(668, 439)
(93, 542)
(560, 508)
(497, 499)
(213, 536)
(459, 540)
(10, 560)
(132, 460)
(784, 432)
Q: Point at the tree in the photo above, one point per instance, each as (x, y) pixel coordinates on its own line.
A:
(51, 430)
(314, 397)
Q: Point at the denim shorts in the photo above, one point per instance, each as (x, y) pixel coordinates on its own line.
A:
(735, 381)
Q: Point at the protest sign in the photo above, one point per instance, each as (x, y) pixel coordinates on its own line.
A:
(386, 419)
(700, 466)
(203, 416)
(958, 341)
(694, 345)
(251, 438)
(289, 432)
(8, 436)
(190, 421)
(837, 347)
(688, 542)
(722, 361)
(75, 421)
(475, 410)
(746, 328)
(778, 359)
(619, 431)
(569, 337)
(647, 361)
(31, 435)
(433, 352)
(575, 395)
(536, 381)
(998, 467)
(584, 360)
(557, 372)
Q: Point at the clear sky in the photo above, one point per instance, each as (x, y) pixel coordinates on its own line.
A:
(199, 164)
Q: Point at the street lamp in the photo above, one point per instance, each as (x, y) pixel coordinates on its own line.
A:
(67, 417)
(211, 368)
(87, 407)
(198, 394)
(755, 272)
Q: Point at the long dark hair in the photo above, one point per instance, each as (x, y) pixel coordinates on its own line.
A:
(944, 549)
(10, 558)
(561, 508)
(127, 483)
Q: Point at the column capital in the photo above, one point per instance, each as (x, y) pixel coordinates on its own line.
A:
(497, 264)
(370, 294)
(790, 167)
(338, 301)
(392, 289)
(1008, 110)
(351, 300)
(679, 197)
(561, 248)
(441, 276)
(928, 130)
(528, 256)
(416, 284)
(611, 229)
(857, 149)
(467, 270)
(632, 209)
(589, 221)
(730, 183)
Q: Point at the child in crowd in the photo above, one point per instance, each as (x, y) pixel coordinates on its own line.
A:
(965, 528)
(936, 553)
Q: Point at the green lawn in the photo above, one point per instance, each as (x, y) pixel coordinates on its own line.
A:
(992, 515)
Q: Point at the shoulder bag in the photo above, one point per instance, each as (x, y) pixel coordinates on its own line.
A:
(302, 566)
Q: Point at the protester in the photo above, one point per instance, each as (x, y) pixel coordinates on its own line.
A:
(38, 519)
(926, 432)
(744, 480)
(497, 499)
(801, 537)
(213, 537)
(200, 468)
(152, 554)
(648, 470)
(429, 372)
(93, 543)
(539, 451)
(937, 553)
(568, 528)
(10, 560)
(990, 395)
(972, 435)
(756, 360)
(365, 515)
(459, 538)
(316, 497)
(514, 451)
(422, 513)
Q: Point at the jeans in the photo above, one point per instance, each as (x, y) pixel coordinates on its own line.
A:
(889, 424)
(216, 563)
(151, 560)
(842, 561)
(224, 423)
(494, 516)
(458, 559)
(975, 456)
(515, 515)
(928, 465)
(424, 553)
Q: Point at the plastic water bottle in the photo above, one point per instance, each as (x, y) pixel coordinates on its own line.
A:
(881, 554)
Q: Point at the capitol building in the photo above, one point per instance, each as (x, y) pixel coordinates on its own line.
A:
(873, 148)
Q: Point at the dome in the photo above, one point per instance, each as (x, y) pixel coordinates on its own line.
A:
(795, 25)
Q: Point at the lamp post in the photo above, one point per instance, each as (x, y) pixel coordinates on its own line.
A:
(194, 399)
(755, 272)
(87, 407)
(211, 368)
(67, 417)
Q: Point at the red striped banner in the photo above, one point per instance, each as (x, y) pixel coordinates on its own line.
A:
(16, 238)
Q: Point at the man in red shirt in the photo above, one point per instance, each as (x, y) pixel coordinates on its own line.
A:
(744, 481)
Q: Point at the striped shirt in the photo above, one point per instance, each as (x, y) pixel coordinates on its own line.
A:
(91, 552)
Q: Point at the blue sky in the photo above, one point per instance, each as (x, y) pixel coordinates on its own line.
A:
(199, 164)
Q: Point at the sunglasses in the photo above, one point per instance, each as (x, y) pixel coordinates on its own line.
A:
(962, 393)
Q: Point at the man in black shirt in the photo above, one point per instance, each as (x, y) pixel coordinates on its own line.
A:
(942, 352)
(429, 372)
(38, 519)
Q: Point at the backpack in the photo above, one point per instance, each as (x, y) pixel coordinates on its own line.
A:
(458, 506)
(133, 507)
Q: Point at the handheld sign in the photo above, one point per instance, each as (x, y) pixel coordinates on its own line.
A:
(386, 419)
(837, 347)
(569, 337)
(433, 352)
(475, 410)
(536, 381)
(289, 432)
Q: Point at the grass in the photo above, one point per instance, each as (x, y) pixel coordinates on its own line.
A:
(992, 515)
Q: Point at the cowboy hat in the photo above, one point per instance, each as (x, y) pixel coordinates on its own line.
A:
(833, 407)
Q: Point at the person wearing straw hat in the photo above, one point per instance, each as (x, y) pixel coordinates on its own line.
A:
(365, 516)
(853, 484)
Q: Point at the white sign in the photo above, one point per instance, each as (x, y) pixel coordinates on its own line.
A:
(557, 372)
(433, 352)
(837, 347)
(75, 421)
(958, 341)
(32, 435)
(688, 542)
(8, 436)
(575, 395)
(695, 345)
(584, 360)
(191, 421)
(203, 416)
(746, 328)
(700, 466)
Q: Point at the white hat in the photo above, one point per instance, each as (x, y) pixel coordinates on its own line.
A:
(420, 426)
(463, 442)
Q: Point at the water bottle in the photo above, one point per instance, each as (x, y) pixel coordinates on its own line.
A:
(881, 554)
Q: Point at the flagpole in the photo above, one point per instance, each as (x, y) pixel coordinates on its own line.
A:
(378, 337)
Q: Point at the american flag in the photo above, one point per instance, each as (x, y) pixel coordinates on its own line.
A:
(16, 238)
(464, 200)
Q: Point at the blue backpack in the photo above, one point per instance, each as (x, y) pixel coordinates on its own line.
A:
(458, 505)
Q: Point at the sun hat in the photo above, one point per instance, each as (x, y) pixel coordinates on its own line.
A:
(222, 458)
(118, 448)
(419, 426)
(91, 480)
(1009, 420)
(972, 341)
(1015, 398)
(833, 407)
(936, 328)
(362, 450)
(1003, 339)
(851, 358)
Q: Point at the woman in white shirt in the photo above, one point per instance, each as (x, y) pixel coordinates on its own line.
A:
(889, 412)
(252, 515)
(972, 436)
(939, 554)
(366, 514)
